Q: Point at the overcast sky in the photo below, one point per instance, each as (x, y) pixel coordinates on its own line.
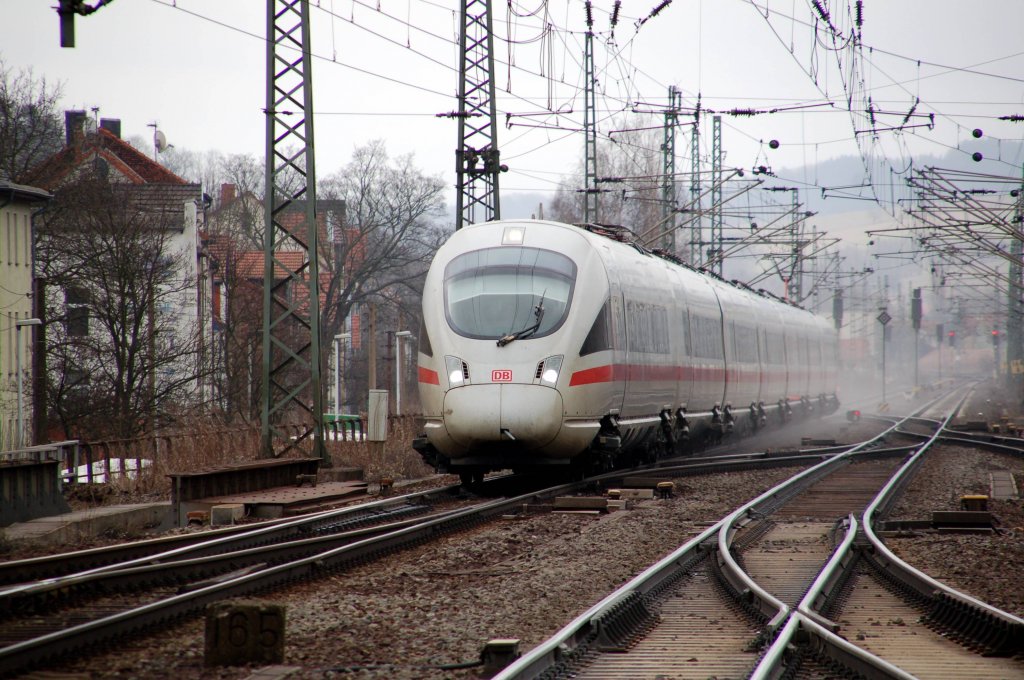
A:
(385, 68)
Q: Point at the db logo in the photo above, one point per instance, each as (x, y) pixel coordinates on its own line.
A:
(501, 375)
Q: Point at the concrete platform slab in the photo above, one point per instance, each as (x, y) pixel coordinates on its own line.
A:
(282, 500)
(84, 524)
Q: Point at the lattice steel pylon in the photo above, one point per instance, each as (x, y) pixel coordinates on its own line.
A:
(697, 226)
(292, 411)
(589, 123)
(716, 241)
(1015, 299)
(477, 159)
(668, 172)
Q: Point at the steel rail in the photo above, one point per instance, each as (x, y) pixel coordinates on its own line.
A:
(569, 643)
(821, 632)
(32, 653)
(209, 567)
(950, 605)
(825, 586)
(774, 610)
(996, 444)
(209, 542)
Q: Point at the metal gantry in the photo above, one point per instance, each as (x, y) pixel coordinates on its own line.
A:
(1015, 299)
(668, 172)
(696, 227)
(292, 412)
(477, 159)
(590, 191)
(715, 242)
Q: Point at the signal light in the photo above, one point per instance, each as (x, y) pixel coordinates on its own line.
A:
(952, 338)
(853, 416)
(995, 337)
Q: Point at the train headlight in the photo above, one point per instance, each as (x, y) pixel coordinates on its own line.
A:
(458, 372)
(551, 367)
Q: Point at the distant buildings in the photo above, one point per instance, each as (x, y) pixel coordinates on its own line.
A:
(144, 195)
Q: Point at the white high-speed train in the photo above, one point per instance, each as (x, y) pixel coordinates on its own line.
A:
(546, 345)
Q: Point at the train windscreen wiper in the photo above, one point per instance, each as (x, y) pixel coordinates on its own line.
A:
(538, 313)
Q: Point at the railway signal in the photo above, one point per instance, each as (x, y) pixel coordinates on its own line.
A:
(995, 337)
(951, 336)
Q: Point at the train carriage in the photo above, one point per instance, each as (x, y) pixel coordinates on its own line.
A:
(546, 345)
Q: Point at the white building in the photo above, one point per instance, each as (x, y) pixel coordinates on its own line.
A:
(17, 205)
(153, 195)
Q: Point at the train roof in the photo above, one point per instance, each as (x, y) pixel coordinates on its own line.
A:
(627, 236)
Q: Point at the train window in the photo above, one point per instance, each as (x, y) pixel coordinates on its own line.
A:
(686, 332)
(774, 348)
(600, 336)
(745, 338)
(493, 292)
(424, 340)
(706, 337)
(647, 327)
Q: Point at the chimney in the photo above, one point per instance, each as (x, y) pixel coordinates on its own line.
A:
(111, 125)
(227, 194)
(74, 127)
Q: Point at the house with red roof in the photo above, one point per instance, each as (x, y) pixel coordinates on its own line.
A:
(96, 153)
(234, 231)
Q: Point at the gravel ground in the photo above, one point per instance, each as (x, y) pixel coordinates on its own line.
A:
(974, 563)
(410, 614)
(437, 604)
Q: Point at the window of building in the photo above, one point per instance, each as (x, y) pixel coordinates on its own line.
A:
(76, 302)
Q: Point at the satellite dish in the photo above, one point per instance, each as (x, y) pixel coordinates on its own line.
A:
(159, 140)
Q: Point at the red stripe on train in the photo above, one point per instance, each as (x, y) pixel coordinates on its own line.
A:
(428, 376)
(588, 376)
(648, 373)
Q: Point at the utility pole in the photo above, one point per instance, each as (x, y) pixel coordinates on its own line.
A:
(372, 357)
(715, 242)
(797, 277)
(668, 173)
(477, 159)
(1015, 310)
(696, 229)
(589, 122)
(291, 292)
(915, 320)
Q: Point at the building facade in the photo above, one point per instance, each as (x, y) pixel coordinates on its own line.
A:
(107, 188)
(18, 203)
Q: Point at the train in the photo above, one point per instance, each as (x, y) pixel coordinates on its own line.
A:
(552, 348)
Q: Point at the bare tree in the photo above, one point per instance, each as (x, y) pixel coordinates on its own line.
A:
(30, 122)
(122, 345)
(390, 232)
(629, 165)
(375, 249)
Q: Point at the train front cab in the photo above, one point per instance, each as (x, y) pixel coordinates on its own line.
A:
(502, 347)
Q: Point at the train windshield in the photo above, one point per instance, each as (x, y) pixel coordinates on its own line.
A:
(495, 292)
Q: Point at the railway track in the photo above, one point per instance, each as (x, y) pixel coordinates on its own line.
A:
(766, 593)
(72, 614)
